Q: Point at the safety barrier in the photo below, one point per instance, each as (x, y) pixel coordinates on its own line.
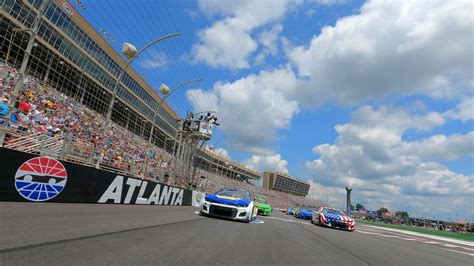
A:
(37, 178)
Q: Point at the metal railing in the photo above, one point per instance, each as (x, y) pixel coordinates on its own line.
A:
(37, 143)
(69, 148)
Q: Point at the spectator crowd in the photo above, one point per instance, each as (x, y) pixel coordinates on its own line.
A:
(40, 108)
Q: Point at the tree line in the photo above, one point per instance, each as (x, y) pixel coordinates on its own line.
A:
(380, 211)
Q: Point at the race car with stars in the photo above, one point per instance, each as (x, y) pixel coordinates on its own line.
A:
(332, 217)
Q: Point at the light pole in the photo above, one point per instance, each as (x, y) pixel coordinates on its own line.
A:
(166, 91)
(131, 53)
(21, 73)
(163, 89)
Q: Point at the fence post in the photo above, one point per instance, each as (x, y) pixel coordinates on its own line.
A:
(64, 146)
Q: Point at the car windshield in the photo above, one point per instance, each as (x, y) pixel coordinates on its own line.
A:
(330, 211)
(306, 209)
(234, 193)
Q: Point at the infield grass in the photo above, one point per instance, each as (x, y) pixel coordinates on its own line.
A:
(421, 230)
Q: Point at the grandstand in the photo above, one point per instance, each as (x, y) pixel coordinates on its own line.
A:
(71, 57)
(65, 94)
(284, 182)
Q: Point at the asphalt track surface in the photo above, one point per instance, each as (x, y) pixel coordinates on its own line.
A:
(78, 234)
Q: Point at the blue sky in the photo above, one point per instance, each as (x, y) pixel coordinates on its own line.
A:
(377, 95)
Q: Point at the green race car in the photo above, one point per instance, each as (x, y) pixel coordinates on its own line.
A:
(263, 207)
(296, 212)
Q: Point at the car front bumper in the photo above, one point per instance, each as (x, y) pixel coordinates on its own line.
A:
(225, 211)
(340, 225)
(263, 211)
(305, 216)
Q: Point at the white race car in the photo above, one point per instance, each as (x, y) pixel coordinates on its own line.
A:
(231, 203)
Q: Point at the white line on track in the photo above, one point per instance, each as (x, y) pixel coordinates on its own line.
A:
(431, 242)
(415, 234)
(287, 220)
(422, 241)
(454, 246)
(470, 254)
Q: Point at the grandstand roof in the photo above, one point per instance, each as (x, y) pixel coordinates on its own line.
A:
(288, 176)
(100, 41)
(230, 162)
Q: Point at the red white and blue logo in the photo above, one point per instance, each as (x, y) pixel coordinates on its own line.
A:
(40, 179)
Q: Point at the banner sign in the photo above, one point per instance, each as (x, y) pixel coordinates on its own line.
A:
(372, 212)
(26, 177)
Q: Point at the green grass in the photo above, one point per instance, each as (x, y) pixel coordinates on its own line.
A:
(459, 236)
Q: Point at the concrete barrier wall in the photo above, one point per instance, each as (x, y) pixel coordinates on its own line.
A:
(27, 177)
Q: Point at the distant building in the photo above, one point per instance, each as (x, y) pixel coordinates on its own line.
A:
(285, 183)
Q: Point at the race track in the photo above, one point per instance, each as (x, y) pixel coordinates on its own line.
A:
(68, 234)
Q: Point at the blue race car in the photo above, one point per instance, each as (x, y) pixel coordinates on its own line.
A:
(305, 213)
(231, 203)
(290, 211)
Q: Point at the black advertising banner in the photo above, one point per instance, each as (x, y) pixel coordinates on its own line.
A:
(26, 177)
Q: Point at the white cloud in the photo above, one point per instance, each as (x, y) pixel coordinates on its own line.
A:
(202, 100)
(333, 196)
(228, 42)
(261, 57)
(269, 38)
(224, 45)
(464, 111)
(391, 47)
(328, 2)
(371, 156)
(155, 60)
(310, 12)
(253, 108)
(272, 162)
(193, 14)
(441, 147)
